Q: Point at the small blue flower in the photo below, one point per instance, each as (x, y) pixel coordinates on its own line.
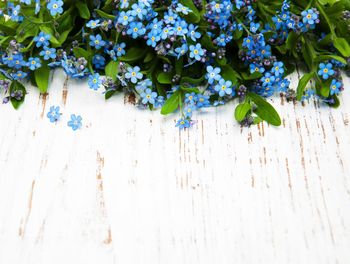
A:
(97, 41)
(55, 7)
(138, 10)
(93, 23)
(254, 27)
(268, 79)
(335, 87)
(134, 74)
(119, 48)
(203, 101)
(42, 39)
(75, 122)
(94, 81)
(196, 51)
(125, 18)
(309, 17)
(34, 63)
(183, 9)
(148, 96)
(190, 98)
(54, 114)
(135, 29)
(159, 101)
(188, 110)
(213, 74)
(192, 33)
(183, 123)
(223, 87)
(19, 75)
(326, 70)
(48, 53)
(181, 50)
(277, 68)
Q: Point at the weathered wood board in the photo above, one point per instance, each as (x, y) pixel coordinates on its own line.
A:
(130, 188)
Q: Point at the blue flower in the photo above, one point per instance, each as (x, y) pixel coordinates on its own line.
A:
(141, 86)
(277, 68)
(125, 17)
(135, 29)
(268, 79)
(223, 87)
(326, 70)
(42, 39)
(14, 15)
(192, 33)
(99, 61)
(124, 4)
(180, 28)
(138, 10)
(309, 17)
(213, 74)
(55, 7)
(183, 9)
(181, 50)
(19, 75)
(48, 53)
(159, 101)
(196, 51)
(256, 68)
(96, 41)
(183, 123)
(170, 17)
(190, 98)
(148, 96)
(188, 110)
(94, 81)
(93, 23)
(203, 101)
(54, 114)
(335, 87)
(119, 48)
(34, 63)
(133, 74)
(254, 27)
(75, 122)
(152, 39)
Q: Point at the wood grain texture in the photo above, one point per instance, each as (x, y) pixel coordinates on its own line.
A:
(130, 188)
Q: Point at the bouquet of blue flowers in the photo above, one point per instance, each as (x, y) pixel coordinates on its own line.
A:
(179, 55)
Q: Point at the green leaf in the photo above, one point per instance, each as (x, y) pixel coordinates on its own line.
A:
(194, 16)
(104, 15)
(192, 80)
(229, 74)
(133, 54)
(329, 57)
(111, 69)
(42, 76)
(179, 64)
(83, 9)
(17, 86)
(302, 84)
(242, 110)
(81, 53)
(265, 110)
(342, 46)
(164, 77)
(172, 103)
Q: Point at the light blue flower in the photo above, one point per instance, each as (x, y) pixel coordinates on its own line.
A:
(335, 87)
(183, 123)
(277, 68)
(34, 63)
(97, 41)
(223, 87)
(125, 18)
(188, 110)
(54, 114)
(135, 29)
(181, 51)
(48, 53)
(75, 122)
(192, 33)
(94, 81)
(55, 7)
(183, 9)
(119, 49)
(42, 39)
(138, 10)
(134, 74)
(93, 23)
(148, 96)
(213, 74)
(326, 70)
(196, 51)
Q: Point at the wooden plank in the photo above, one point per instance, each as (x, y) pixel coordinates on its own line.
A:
(130, 188)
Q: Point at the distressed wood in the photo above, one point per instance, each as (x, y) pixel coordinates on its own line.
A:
(130, 188)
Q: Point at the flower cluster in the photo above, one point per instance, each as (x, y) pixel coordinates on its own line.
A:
(178, 55)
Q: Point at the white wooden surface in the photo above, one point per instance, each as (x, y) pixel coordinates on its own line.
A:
(130, 188)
